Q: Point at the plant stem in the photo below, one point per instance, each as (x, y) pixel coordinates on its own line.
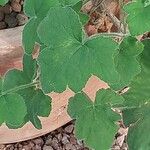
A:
(112, 34)
(21, 87)
(122, 16)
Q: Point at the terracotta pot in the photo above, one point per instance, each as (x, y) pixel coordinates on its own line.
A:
(11, 57)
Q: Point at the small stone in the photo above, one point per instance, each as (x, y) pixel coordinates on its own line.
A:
(2, 146)
(48, 142)
(73, 140)
(16, 6)
(48, 148)
(38, 141)
(27, 147)
(2, 25)
(7, 9)
(65, 140)
(19, 146)
(69, 128)
(59, 136)
(11, 21)
(1, 15)
(69, 146)
(9, 147)
(37, 147)
(31, 144)
(55, 144)
(22, 19)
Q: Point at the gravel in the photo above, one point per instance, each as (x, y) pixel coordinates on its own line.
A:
(11, 15)
(64, 139)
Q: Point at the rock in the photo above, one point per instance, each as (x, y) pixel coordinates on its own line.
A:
(69, 128)
(11, 20)
(70, 146)
(1, 15)
(59, 136)
(31, 144)
(73, 140)
(48, 148)
(26, 147)
(65, 140)
(2, 146)
(22, 19)
(38, 141)
(7, 9)
(55, 144)
(2, 25)
(48, 142)
(37, 147)
(16, 7)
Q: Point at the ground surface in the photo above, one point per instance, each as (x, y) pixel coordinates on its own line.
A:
(63, 139)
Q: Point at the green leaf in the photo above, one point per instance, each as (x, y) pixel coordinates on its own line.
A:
(83, 17)
(37, 104)
(12, 110)
(139, 122)
(126, 60)
(139, 87)
(67, 58)
(69, 2)
(3, 2)
(95, 121)
(138, 16)
(21, 84)
(137, 101)
(36, 10)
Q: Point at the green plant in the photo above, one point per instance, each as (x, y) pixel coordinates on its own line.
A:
(68, 58)
(3, 2)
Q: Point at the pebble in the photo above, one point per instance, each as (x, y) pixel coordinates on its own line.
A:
(69, 128)
(2, 25)
(1, 15)
(7, 9)
(48, 148)
(12, 14)
(38, 141)
(22, 19)
(11, 21)
(16, 7)
(65, 140)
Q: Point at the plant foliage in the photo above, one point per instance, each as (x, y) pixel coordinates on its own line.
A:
(67, 59)
(3, 2)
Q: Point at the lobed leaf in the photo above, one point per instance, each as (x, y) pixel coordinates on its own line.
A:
(77, 8)
(95, 121)
(36, 10)
(127, 64)
(139, 87)
(137, 100)
(68, 59)
(138, 18)
(20, 100)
